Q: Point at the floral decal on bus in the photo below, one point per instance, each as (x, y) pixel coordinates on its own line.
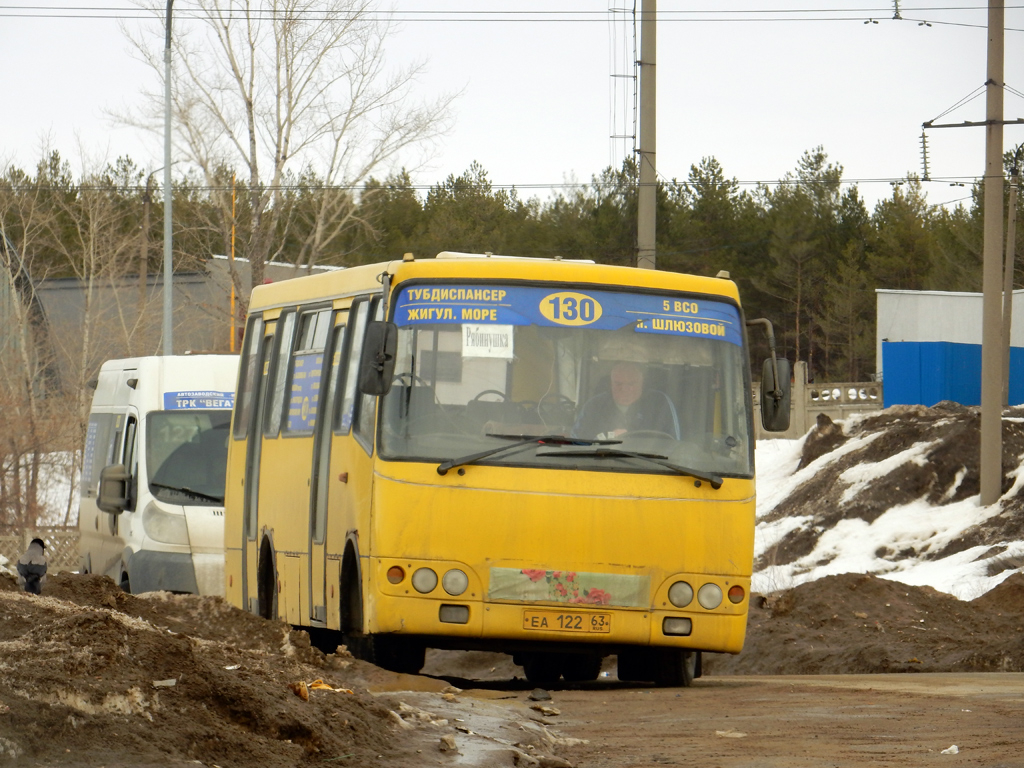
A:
(549, 585)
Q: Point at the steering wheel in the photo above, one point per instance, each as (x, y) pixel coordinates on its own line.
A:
(502, 395)
(412, 377)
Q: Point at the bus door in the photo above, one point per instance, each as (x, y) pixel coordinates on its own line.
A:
(249, 424)
(349, 460)
(320, 479)
(294, 408)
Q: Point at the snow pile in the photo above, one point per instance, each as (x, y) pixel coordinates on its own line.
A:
(893, 494)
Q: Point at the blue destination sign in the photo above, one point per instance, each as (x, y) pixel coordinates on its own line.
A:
(576, 306)
(175, 401)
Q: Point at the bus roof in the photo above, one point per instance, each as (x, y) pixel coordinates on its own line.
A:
(459, 266)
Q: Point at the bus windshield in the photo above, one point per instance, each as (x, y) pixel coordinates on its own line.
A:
(637, 382)
(187, 454)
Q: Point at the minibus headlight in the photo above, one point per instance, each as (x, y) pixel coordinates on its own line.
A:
(680, 594)
(710, 596)
(455, 582)
(165, 527)
(736, 594)
(396, 574)
(424, 580)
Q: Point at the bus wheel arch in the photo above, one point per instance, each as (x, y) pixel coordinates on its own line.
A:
(266, 579)
(351, 591)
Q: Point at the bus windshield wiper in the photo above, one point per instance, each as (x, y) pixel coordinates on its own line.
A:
(189, 492)
(656, 458)
(522, 443)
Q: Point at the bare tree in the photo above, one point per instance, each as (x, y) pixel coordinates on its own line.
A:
(288, 89)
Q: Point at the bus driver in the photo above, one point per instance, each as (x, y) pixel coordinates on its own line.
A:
(627, 408)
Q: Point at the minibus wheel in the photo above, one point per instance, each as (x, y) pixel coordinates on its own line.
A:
(675, 667)
(397, 653)
(581, 667)
(125, 584)
(542, 668)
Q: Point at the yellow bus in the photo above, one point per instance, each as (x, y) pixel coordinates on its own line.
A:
(543, 457)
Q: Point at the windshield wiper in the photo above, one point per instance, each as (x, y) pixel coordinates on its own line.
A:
(522, 443)
(188, 491)
(655, 458)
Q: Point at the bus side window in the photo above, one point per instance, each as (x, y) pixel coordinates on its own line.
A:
(357, 327)
(366, 411)
(247, 378)
(97, 449)
(307, 366)
(280, 363)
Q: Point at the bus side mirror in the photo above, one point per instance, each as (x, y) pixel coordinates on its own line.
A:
(113, 491)
(775, 395)
(377, 363)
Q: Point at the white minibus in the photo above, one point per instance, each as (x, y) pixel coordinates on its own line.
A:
(151, 513)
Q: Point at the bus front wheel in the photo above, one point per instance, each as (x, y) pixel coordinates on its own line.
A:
(541, 668)
(676, 668)
(581, 668)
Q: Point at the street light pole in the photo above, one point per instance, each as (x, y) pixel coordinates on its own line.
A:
(168, 240)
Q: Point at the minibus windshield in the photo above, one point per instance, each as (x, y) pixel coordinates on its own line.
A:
(186, 455)
(662, 375)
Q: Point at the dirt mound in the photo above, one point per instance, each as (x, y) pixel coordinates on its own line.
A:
(855, 623)
(88, 671)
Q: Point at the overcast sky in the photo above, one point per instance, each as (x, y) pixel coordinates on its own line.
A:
(754, 84)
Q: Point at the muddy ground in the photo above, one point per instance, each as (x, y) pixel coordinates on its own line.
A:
(90, 676)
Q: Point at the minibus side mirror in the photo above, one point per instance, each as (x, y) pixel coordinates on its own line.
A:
(377, 364)
(775, 395)
(113, 491)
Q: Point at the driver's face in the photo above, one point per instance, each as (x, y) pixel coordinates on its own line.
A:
(627, 384)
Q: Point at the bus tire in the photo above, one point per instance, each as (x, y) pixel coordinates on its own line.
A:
(675, 668)
(125, 584)
(397, 653)
(542, 668)
(581, 667)
(266, 578)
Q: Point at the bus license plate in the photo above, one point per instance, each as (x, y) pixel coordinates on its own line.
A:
(567, 621)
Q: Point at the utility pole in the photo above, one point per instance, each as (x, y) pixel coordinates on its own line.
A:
(147, 201)
(1011, 247)
(168, 237)
(991, 459)
(647, 196)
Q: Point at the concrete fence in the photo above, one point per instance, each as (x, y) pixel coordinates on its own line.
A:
(61, 547)
(836, 400)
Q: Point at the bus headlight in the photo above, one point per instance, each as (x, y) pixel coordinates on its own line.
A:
(165, 527)
(424, 580)
(680, 594)
(455, 582)
(710, 596)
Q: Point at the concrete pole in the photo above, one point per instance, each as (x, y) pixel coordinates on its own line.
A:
(168, 238)
(1008, 259)
(991, 460)
(647, 199)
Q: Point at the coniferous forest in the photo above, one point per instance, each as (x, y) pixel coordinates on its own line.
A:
(806, 251)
